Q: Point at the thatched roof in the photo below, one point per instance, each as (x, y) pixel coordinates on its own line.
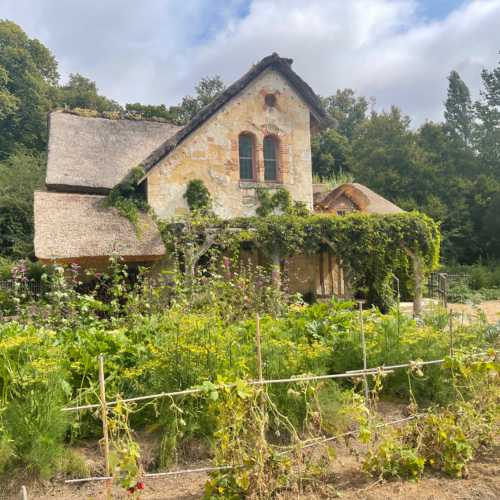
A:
(362, 197)
(274, 61)
(75, 226)
(92, 155)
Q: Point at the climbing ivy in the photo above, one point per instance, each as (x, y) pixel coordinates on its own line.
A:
(127, 197)
(370, 247)
(280, 202)
(197, 196)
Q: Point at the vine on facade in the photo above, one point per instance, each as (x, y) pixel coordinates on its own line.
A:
(197, 196)
(128, 198)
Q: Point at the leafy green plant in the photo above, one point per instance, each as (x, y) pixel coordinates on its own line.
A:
(197, 196)
(278, 203)
(128, 198)
(39, 426)
(392, 459)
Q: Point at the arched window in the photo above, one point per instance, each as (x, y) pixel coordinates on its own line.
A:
(270, 158)
(246, 149)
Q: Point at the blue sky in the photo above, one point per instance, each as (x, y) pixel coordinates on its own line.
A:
(155, 51)
(438, 9)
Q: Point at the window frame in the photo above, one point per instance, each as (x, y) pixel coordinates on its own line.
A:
(276, 142)
(252, 158)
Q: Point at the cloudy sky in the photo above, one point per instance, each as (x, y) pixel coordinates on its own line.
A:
(154, 51)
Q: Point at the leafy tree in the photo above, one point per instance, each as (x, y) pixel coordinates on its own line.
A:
(491, 226)
(29, 72)
(458, 108)
(149, 111)
(80, 92)
(488, 128)
(20, 175)
(331, 154)
(348, 110)
(206, 91)
(8, 102)
(385, 154)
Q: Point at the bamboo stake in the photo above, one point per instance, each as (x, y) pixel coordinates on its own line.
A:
(259, 352)
(104, 412)
(24, 493)
(450, 320)
(363, 343)
(399, 306)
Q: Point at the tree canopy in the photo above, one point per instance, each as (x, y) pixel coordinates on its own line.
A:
(448, 170)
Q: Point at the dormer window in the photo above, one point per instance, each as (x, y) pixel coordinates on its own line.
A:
(247, 157)
(270, 158)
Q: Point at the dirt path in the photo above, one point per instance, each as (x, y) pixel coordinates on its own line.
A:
(349, 483)
(491, 309)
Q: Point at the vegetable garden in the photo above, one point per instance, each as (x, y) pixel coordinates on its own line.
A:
(199, 349)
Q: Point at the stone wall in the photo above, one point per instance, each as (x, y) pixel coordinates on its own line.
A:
(211, 152)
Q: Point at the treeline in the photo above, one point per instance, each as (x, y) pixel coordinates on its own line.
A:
(449, 170)
(30, 87)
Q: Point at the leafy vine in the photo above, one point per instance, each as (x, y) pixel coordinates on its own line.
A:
(128, 198)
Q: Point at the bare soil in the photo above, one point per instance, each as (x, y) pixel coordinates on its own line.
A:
(349, 483)
(491, 309)
(346, 479)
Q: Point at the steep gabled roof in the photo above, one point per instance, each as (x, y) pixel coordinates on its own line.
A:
(92, 155)
(363, 197)
(274, 61)
(76, 226)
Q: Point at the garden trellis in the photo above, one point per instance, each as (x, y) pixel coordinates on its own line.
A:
(103, 405)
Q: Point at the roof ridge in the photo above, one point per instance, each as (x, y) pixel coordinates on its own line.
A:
(112, 115)
(281, 64)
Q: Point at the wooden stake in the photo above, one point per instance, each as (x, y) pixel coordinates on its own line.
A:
(259, 352)
(24, 493)
(104, 413)
(363, 343)
(399, 306)
(451, 331)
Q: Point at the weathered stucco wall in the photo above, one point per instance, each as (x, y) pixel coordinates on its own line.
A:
(211, 152)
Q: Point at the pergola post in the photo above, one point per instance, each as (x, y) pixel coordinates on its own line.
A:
(418, 276)
(276, 270)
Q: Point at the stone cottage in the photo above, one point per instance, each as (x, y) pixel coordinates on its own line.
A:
(257, 133)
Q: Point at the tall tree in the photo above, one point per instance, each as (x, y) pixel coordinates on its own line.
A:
(29, 73)
(20, 175)
(331, 154)
(458, 108)
(8, 102)
(206, 91)
(348, 110)
(81, 92)
(488, 128)
(385, 154)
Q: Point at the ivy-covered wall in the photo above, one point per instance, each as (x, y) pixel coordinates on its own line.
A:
(371, 249)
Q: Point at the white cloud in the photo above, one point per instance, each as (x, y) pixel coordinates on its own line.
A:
(156, 51)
